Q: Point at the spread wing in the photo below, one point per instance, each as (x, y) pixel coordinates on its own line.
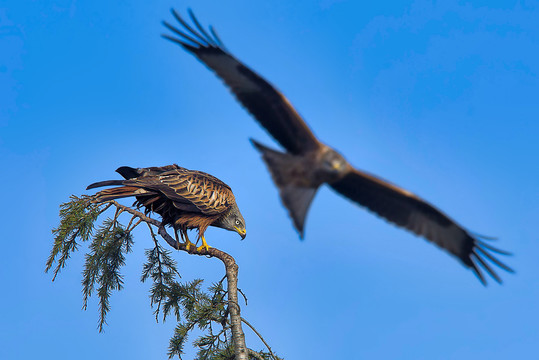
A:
(192, 191)
(406, 210)
(269, 107)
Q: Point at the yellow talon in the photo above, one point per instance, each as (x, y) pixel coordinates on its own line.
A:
(188, 243)
(204, 245)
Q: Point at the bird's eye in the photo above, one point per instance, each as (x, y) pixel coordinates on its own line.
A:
(237, 222)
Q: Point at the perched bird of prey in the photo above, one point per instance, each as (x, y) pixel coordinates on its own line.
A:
(308, 163)
(185, 199)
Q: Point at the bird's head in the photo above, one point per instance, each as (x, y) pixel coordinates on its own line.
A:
(333, 163)
(234, 221)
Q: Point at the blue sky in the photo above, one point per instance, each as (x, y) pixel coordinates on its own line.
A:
(438, 97)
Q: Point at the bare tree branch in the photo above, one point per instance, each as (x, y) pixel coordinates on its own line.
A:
(242, 294)
(238, 337)
(260, 336)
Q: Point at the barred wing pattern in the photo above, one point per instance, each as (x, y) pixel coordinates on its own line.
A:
(189, 190)
(269, 106)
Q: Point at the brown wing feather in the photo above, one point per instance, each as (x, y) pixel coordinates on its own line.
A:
(411, 212)
(269, 107)
(129, 172)
(189, 190)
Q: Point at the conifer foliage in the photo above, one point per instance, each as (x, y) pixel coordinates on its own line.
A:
(208, 310)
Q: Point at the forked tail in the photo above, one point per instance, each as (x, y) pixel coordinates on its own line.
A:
(296, 198)
(117, 192)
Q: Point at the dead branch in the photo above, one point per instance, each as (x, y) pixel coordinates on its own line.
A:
(260, 336)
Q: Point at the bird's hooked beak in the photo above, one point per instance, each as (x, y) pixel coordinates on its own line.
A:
(242, 232)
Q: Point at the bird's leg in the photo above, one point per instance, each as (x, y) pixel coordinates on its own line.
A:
(204, 244)
(177, 240)
(187, 243)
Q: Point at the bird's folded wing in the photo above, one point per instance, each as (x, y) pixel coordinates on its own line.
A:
(189, 190)
(405, 209)
(129, 172)
(270, 108)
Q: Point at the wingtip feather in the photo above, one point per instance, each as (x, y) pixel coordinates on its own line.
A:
(487, 268)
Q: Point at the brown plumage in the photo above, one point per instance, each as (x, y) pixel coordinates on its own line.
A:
(308, 163)
(185, 199)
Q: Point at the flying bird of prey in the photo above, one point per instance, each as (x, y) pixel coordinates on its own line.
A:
(308, 163)
(185, 199)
